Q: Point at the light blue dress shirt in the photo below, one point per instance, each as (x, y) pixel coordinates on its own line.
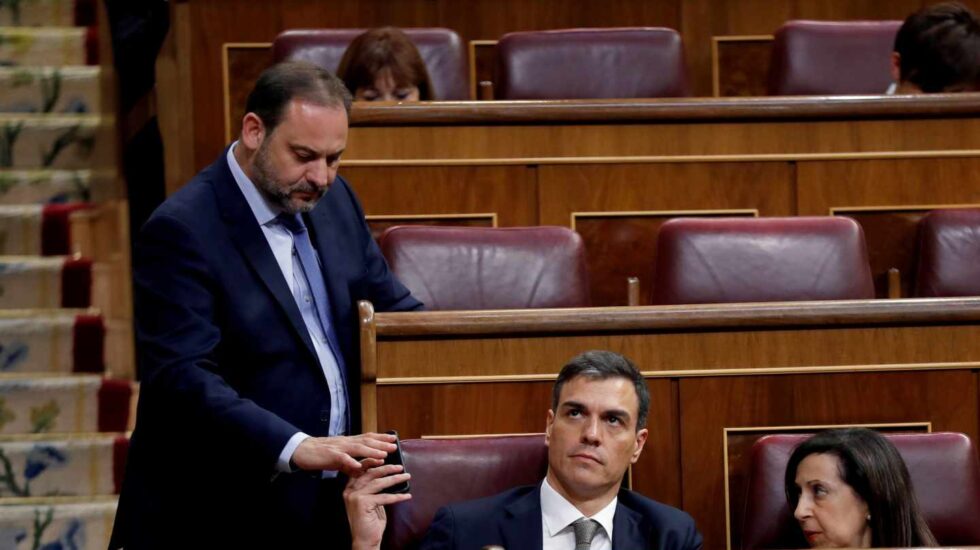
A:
(281, 242)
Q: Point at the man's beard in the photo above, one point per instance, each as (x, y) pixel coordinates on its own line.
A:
(279, 193)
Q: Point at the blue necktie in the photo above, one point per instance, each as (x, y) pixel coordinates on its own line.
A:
(314, 279)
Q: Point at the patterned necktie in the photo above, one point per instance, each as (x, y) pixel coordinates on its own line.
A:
(314, 278)
(585, 530)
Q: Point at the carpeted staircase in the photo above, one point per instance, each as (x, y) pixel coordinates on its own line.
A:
(65, 305)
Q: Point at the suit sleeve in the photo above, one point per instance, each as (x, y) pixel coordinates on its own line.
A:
(693, 540)
(178, 339)
(440, 534)
(385, 291)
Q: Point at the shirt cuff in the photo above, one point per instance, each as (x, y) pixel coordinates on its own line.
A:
(287, 452)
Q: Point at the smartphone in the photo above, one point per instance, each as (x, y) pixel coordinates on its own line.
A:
(396, 458)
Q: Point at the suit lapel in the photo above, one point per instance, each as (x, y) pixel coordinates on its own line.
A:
(626, 528)
(523, 531)
(250, 240)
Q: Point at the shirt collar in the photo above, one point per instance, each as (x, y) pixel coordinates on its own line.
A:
(263, 211)
(557, 513)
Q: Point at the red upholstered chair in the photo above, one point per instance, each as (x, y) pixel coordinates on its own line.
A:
(949, 254)
(452, 470)
(945, 476)
(719, 260)
(441, 49)
(452, 268)
(832, 57)
(591, 64)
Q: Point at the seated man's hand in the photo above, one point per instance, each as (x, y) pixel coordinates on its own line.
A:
(365, 503)
(341, 453)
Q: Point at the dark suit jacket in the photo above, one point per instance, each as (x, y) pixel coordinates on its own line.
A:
(512, 519)
(228, 370)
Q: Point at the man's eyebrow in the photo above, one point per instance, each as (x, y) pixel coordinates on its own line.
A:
(303, 149)
(573, 405)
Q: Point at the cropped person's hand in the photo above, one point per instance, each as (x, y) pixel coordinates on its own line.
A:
(365, 503)
(342, 453)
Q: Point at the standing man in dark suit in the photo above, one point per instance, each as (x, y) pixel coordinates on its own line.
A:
(246, 282)
(595, 430)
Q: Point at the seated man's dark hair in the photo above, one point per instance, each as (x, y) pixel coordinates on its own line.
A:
(939, 49)
(600, 365)
(283, 82)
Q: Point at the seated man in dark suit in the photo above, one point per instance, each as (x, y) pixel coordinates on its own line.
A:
(937, 50)
(594, 432)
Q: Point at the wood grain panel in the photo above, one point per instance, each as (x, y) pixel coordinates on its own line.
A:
(762, 186)
(708, 405)
(682, 351)
(509, 191)
(894, 182)
(738, 447)
(458, 409)
(741, 65)
(623, 245)
(891, 237)
(245, 64)
(539, 143)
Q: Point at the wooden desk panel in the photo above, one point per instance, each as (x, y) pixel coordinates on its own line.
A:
(708, 367)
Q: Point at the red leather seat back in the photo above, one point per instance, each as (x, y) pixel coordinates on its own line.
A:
(949, 254)
(832, 57)
(591, 64)
(719, 260)
(441, 49)
(452, 268)
(452, 470)
(945, 476)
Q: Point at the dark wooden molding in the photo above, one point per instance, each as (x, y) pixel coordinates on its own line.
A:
(665, 318)
(667, 109)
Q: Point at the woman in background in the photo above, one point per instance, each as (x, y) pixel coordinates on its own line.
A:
(850, 489)
(383, 65)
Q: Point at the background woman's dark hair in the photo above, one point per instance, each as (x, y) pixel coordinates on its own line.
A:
(871, 465)
(939, 48)
(384, 48)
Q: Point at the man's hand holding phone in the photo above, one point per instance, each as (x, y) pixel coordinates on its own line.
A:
(378, 484)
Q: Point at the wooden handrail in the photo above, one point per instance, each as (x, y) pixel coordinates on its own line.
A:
(665, 109)
(664, 318)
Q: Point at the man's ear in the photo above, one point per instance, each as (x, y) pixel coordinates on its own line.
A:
(547, 428)
(253, 131)
(896, 67)
(641, 439)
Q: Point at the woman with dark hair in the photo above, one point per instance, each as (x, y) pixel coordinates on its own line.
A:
(383, 65)
(850, 489)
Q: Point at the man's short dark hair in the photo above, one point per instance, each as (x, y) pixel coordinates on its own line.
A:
(939, 49)
(600, 365)
(283, 82)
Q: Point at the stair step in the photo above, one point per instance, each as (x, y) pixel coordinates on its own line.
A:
(50, 89)
(35, 282)
(82, 526)
(53, 141)
(65, 404)
(70, 466)
(51, 342)
(57, 186)
(37, 230)
(35, 13)
(54, 46)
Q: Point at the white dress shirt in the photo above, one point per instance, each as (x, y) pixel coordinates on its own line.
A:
(557, 516)
(281, 242)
